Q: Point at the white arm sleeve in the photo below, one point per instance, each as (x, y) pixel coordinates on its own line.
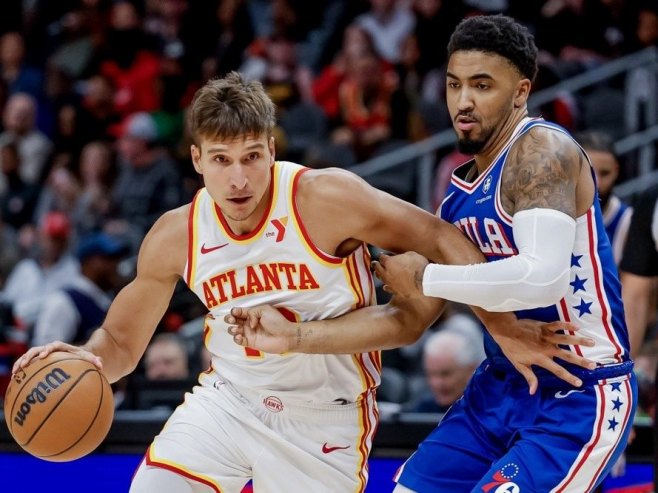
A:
(538, 276)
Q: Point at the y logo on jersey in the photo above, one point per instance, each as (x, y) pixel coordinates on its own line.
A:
(280, 226)
(501, 480)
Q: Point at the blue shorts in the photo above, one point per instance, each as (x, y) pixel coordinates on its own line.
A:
(499, 439)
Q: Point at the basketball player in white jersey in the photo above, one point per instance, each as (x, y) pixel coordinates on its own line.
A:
(263, 231)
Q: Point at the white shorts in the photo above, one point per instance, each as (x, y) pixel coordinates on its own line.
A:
(223, 438)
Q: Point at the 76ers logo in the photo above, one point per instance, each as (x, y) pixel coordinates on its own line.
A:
(501, 480)
(487, 184)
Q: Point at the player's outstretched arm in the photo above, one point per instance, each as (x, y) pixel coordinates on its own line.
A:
(395, 324)
(119, 343)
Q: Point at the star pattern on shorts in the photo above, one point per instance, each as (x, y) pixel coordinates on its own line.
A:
(578, 284)
(583, 307)
(616, 404)
(612, 424)
(616, 386)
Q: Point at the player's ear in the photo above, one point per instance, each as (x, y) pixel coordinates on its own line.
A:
(272, 148)
(195, 152)
(522, 92)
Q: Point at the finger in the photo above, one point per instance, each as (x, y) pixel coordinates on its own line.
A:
(387, 289)
(569, 340)
(238, 312)
(575, 359)
(560, 325)
(383, 258)
(529, 376)
(560, 372)
(380, 271)
(239, 339)
(229, 319)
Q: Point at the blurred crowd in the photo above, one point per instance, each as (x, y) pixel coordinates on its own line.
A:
(93, 146)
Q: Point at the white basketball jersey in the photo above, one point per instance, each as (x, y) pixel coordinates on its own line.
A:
(278, 264)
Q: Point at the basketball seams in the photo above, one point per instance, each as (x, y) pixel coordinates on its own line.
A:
(92, 421)
(11, 421)
(57, 404)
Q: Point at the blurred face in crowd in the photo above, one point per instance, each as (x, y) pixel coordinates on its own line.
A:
(606, 168)
(12, 49)
(446, 376)
(647, 27)
(236, 173)
(19, 114)
(165, 360)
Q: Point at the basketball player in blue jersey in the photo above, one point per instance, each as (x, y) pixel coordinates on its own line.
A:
(268, 232)
(528, 201)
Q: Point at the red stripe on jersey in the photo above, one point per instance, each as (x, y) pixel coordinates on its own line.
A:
(302, 228)
(597, 282)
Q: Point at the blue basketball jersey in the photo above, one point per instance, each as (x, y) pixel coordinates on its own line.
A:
(593, 300)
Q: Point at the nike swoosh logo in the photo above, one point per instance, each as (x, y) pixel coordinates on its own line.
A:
(205, 249)
(326, 449)
(561, 395)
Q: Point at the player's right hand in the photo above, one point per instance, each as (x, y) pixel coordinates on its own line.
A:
(262, 327)
(39, 352)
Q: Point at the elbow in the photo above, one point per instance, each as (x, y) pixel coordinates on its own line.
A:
(537, 293)
(412, 318)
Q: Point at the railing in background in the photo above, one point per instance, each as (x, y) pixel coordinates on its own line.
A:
(644, 108)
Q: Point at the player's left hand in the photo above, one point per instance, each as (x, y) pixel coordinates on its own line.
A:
(401, 274)
(530, 342)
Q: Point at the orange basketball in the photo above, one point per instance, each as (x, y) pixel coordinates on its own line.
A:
(59, 408)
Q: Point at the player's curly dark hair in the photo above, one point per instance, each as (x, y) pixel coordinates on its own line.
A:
(497, 34)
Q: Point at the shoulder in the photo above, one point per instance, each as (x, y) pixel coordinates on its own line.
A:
(165, 245)
(330, 184)
(548, 142)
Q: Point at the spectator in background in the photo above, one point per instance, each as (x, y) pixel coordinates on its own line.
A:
(148, 183)
(356, 43)
(639, 267)
(51, 268)
(18, 76)
(365, 101)
(449, 359)
(72, 312)
(34, 148)
(389, 22)
(616, 214)
(96, 114)
(129, 62)
(96, 175)
(166, 358)
(18, 198)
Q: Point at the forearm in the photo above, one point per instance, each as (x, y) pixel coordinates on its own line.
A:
(395, 324)
(636, 293)
(537, 276)
(117, 362)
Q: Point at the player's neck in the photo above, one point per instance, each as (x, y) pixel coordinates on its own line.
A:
(499, 139)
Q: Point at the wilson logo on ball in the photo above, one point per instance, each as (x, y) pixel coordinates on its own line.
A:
(40, 393)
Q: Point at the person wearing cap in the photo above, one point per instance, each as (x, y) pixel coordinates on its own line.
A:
(51, 267)
(73, 311)
(148, 183)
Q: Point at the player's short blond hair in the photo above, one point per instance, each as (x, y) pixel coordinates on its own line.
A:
(230, 107)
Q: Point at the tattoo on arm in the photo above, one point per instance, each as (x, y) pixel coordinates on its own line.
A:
(542, 170)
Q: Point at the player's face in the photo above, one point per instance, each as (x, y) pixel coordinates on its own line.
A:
(606, 169)
(482, 90)
(236, 173)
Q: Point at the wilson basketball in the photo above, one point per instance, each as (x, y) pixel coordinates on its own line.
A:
(59, 408)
